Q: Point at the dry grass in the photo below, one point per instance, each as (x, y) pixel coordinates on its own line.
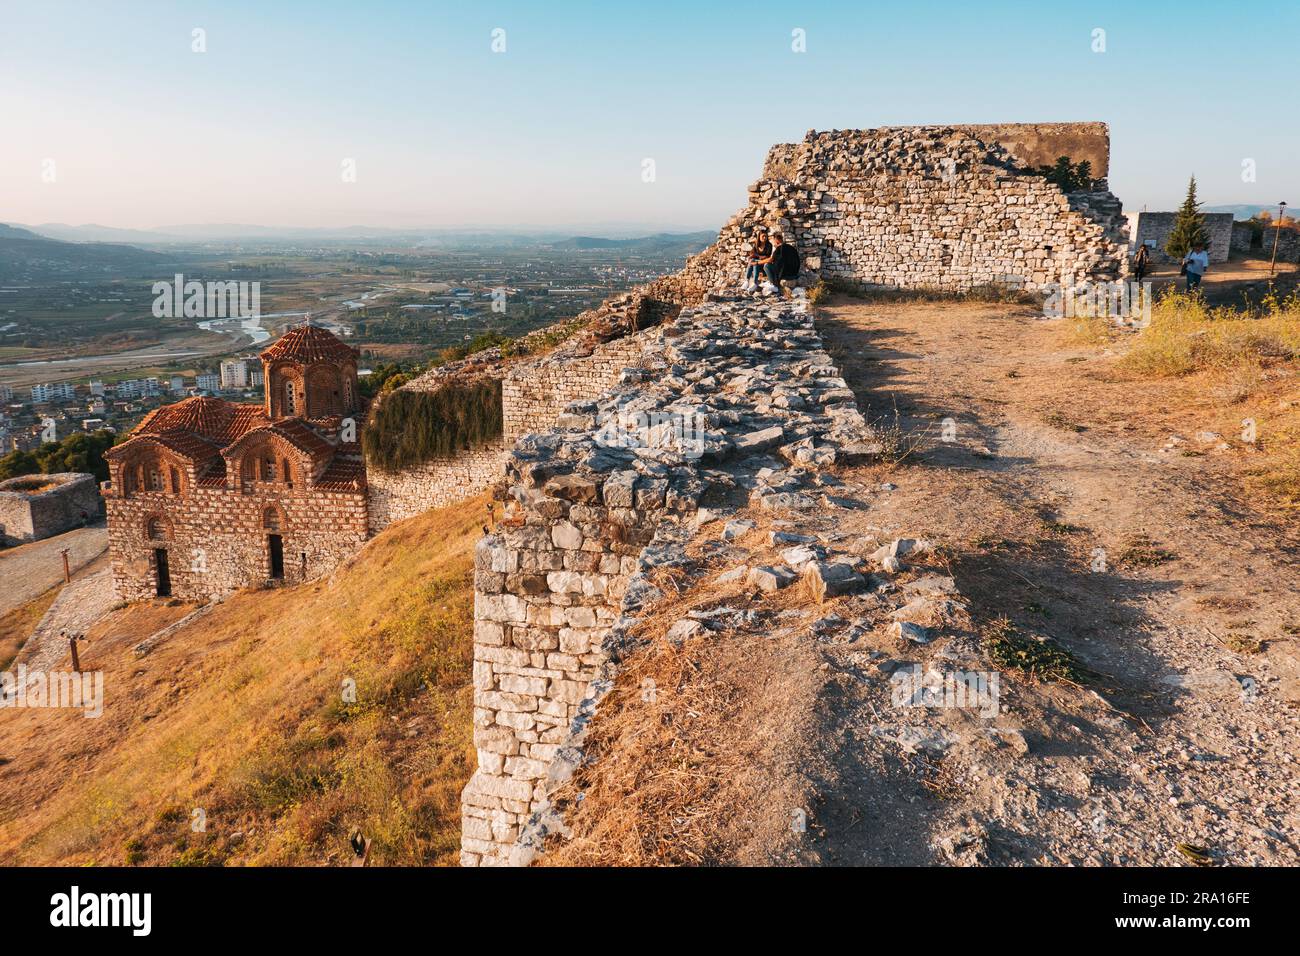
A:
(1245, 360)
(1187, 335)
(242, 716)
(17, 625)
(696, 750)
(1137, 550)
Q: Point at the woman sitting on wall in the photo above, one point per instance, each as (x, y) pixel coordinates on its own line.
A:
(760, 250)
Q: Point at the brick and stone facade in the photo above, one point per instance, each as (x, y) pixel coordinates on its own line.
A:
(209, 496)
(38, 506)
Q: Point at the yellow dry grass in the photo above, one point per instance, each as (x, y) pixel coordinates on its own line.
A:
(1248, 362)
(240, 720)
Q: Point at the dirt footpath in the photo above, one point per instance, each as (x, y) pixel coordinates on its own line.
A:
(1074, 504)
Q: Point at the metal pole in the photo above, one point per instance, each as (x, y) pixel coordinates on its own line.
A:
(72, 643)
(1281, 214)
(67, 573)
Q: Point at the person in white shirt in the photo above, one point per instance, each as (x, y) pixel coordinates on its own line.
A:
(1196, 263)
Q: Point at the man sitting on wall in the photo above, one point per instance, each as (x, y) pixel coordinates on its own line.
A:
(781, 266)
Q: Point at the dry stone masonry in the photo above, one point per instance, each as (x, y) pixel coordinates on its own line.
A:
(38, 506)
(534, 391)
(944, 208)
(731, 399)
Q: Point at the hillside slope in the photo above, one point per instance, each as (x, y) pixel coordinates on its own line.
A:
(241, 717)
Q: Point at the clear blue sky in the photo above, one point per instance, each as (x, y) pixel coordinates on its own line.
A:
(553, 132)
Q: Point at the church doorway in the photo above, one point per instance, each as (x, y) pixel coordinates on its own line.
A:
(275, 547)
(164, 586)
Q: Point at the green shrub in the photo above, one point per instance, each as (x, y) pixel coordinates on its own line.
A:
(408, 428)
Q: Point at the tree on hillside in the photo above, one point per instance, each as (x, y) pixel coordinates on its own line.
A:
(78, 452)
(1189, 226)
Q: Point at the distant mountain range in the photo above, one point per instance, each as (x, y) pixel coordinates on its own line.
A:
(661, 242)
(243, 233)
(24, 255)
(1245, 211)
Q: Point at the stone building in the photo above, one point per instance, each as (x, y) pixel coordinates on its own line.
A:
(39, 506)
(208, 496)
(1153, 228)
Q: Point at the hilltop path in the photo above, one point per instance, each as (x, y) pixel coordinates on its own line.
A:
(1093, 510)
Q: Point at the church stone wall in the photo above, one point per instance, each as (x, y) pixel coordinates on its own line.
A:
(217, 539)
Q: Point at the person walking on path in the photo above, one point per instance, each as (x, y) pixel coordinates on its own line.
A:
(1195, 264)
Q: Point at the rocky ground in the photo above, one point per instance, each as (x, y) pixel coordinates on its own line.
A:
(1032, 631)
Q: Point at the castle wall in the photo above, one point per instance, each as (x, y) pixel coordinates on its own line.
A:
(31, 517)
(1288, 242)
(918, 208)
(558, 584)
(216, 540)
(533, 395)
(434, 484)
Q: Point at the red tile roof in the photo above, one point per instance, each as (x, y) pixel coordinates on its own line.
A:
(307, 344)
(343, 474)
(213, 418)
(186, 444)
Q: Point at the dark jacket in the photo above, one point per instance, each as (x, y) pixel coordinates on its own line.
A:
(785, 261)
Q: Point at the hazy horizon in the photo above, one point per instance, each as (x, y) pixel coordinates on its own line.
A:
(113, 118)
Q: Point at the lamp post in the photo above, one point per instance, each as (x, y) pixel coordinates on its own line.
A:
(1281, 214)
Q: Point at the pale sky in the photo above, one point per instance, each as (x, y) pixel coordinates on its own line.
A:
(553, 132)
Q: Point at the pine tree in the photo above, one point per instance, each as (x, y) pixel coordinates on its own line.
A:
(1189, 226)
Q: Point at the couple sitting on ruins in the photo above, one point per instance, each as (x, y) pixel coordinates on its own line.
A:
(773, 261)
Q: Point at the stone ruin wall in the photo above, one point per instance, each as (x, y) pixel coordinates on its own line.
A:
(217, 543)
(533, 394)
(31, 517)
(559, 583)
(1156, 227)
(935, 208)
(1288, 243)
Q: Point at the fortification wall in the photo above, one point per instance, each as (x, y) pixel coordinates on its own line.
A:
(600, 502)
(533, 394)
(923, 207)
(1288, 242)
(69, 499)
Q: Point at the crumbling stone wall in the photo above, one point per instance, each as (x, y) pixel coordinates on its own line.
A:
(921, 207)
(395, 496)
(533, 394)
(69, 499)
(598, 502)
(219, 542)
(1243, 242)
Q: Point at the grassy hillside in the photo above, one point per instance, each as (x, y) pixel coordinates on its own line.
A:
(242, 716)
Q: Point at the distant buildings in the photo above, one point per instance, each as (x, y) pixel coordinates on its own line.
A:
(208, 382)
(58, 392)
(137, 388)
(234, 374)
